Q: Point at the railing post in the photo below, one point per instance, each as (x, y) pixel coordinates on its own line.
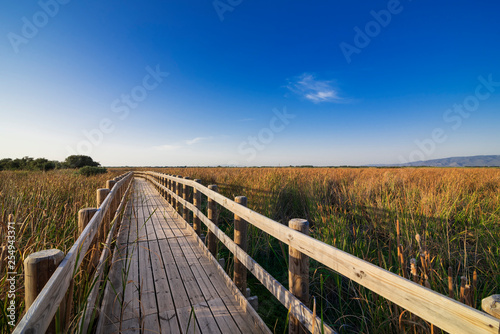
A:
(185, 196)
(491, 305)
(240, 238)
(197, 204)
(110, 185)
(174, 191)
(104, 228)
(212, 215)
(298, 274)
(163, 192)
(178, 192)
(38, 268)
(169, 187)
(84, 217)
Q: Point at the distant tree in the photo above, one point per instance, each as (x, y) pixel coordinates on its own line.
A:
(92, 170)
(4, 163)
(79, 161)
(28, 163)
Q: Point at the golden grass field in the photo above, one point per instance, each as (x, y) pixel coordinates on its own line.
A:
(446, 219)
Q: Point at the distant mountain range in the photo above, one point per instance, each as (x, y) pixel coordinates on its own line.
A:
(474, 161)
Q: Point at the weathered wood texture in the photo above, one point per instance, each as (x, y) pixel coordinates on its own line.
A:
(491, 305)
(298, 274)
(38, 267)
(212, 215)
(168, 277)
(444, 312)
(296, 307)
(240, 239)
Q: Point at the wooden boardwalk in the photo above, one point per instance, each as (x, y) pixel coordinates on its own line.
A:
(163, 280)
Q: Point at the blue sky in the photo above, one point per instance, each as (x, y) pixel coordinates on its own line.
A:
(238, 82)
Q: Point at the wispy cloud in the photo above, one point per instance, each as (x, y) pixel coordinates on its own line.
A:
(197, 140)
(182, 144)
(314, 90)
(167, 147)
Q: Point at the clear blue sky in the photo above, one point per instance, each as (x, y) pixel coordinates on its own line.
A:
(233, 82)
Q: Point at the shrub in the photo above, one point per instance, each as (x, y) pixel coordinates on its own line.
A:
(92, 170)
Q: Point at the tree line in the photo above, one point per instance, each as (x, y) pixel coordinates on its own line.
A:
(43, 164)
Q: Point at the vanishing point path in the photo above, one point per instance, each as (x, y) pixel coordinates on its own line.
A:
(164, 280)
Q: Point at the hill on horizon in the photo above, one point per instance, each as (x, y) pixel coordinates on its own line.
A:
(470, 161)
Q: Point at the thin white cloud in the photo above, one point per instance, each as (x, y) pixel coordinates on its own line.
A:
(197, 140)
(314, 90)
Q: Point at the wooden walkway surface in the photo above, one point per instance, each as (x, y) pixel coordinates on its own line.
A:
(163, 281)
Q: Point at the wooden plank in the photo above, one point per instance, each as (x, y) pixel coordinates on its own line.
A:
(169, 322)
(150, 324)
(130, 326)
(41, 312)
(296, 307)
(200, 307)
(440, 310)
(130, 307)
(241, 318)
(179, 295)
(163, 289)
(221, 314)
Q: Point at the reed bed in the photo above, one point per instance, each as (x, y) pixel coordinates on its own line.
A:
(45, 208)
(436, 226)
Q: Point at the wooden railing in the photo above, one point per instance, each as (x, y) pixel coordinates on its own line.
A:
(444, 312)
(95, 230)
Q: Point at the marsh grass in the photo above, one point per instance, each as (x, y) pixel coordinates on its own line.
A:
(45, 206)
(443, 220)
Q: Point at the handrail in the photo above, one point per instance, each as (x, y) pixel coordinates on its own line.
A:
(297, 308)
(442, 311)
(90, 309)
(43, 309)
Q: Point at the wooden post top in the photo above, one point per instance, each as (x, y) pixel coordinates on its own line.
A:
(44, 255)
(241, 200)
(299, 224)
(491, 305)
(110, 184)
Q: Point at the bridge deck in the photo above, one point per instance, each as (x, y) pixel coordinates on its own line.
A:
(163, 281)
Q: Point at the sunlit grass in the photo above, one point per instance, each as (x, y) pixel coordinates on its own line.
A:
(448, 223)
(45, 206)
